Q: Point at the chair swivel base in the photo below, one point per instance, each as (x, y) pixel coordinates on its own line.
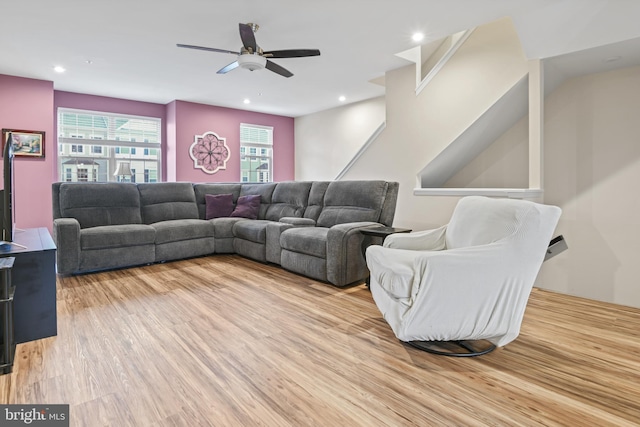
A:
(462, 348)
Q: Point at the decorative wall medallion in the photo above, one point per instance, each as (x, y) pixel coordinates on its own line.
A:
(209, 152)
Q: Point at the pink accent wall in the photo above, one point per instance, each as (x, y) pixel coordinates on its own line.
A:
(30, 104)
(27, 104)
(195, 119)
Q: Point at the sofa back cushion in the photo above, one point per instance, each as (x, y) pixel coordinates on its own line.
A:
(289, 199)
(97, 204)
(352, 201)
(165, 201)
(316, 199)
(201, 190)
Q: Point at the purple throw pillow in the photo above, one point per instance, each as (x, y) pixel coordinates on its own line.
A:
(218, 205)
(247, 207)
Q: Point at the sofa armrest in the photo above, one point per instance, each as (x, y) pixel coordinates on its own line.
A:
(66, 235)
(428, 240)
(345, 260)
(298, 222)
(273, 249)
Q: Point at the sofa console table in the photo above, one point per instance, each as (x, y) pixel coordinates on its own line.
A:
(34, 277)
(381, 231)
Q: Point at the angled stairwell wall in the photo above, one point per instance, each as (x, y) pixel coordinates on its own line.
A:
(444, 170)
(504, 164)
(420, 127)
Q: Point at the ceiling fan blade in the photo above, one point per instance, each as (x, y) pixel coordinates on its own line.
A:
(248, 38)
(209, 49)
(292, 53)
(225, 70)
(278, 69)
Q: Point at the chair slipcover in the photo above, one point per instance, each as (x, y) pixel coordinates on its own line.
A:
(467, 280)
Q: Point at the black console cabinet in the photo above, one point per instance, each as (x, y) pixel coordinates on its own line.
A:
(7, 338)
(34, 278)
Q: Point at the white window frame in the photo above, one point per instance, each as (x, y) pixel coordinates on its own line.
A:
(249, 143)
(85, 137)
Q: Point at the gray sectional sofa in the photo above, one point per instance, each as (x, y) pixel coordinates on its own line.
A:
(311, 228)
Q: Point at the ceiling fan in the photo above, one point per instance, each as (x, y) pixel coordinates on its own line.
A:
(252, 57)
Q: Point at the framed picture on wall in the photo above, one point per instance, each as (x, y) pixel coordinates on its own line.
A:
(25, 142)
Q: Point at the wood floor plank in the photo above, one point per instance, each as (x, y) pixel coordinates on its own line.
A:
(225, 341)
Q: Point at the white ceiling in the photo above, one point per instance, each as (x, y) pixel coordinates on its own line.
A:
(131, 44)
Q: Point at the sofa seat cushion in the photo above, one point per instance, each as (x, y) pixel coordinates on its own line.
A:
(306, 240)
(253, 231)
(114, 236)
(223, 227)
(182, 229)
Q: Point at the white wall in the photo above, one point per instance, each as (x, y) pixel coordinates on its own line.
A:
(592, 171)
(328, 140)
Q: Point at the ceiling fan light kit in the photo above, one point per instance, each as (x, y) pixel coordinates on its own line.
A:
(252, 62)
(251, 57)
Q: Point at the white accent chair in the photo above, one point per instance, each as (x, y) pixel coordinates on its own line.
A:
(466, 281)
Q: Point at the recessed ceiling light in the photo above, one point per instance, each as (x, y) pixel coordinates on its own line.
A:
(342, 98)
(247, 101)
(416, 37)
(59, 69)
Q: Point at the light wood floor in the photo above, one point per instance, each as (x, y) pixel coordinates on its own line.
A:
(225, 341)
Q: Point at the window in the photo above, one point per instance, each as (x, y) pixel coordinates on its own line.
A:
(256, 153)
(122, 138)
(83, 175)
